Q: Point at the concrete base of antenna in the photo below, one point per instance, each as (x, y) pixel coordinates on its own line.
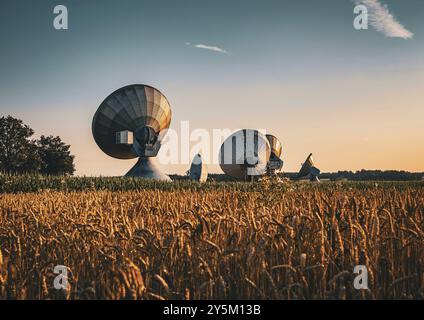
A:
(147, 168)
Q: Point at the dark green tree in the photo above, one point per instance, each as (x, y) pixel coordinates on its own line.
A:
(18, 153)
(55, 156)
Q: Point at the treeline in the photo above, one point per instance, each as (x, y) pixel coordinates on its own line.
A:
(366, 175)
(362, 175)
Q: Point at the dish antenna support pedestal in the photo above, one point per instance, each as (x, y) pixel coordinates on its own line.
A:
(147, 168)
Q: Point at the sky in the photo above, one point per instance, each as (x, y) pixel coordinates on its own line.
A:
(299, 69)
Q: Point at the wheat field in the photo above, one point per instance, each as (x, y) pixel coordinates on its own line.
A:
(276, 243)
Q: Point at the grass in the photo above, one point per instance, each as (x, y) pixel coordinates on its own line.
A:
(38, 183)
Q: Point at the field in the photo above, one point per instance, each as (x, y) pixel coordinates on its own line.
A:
(126, 239)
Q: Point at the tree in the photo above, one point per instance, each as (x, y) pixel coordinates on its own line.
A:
(55, 156)
(18, 153)
(21, 154)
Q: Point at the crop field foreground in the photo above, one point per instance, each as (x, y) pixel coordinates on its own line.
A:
(214, 243)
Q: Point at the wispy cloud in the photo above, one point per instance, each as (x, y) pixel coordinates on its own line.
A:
(207, 47)
(383, 21)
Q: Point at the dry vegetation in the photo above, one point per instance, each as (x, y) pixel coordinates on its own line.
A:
(280, 243)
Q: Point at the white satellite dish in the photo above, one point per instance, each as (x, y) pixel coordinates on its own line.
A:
(130, 123)
(308, 170)
(245, 154)
(198, 170)
(275, 162)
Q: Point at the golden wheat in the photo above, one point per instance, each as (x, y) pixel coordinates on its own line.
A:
(213, 244)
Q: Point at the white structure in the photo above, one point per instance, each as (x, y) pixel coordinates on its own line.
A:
(245, 154)
(198, 170)
(308, 170)
(131, 123)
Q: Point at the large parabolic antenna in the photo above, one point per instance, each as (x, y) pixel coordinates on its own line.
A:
(275, 162)
(245, 154)
(130, 123)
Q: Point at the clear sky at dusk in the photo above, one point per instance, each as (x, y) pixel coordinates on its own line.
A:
(297, 68)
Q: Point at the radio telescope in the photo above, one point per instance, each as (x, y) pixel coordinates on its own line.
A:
(245, 154)
(308, 170)
(275, 162)
(131, 122)
(198, 170)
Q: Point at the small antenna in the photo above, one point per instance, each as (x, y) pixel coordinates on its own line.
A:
(275, 162)
(198, 170)
(308, 170)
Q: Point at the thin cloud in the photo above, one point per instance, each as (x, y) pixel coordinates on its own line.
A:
(383, 21)
(207, 47)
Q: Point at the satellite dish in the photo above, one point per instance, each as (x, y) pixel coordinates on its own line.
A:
(308, 170)
(245, 154)
(198, 170)
(131, 122)
(275, 162)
